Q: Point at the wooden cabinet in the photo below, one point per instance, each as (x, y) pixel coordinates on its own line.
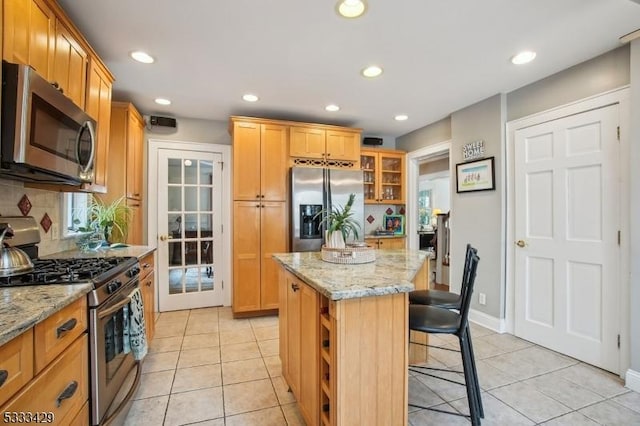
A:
(260, 161)
(47, 367)
(29, 34)
(325, 144)
(260, 229)
(386, 243)
(299, 303)
(124, 169)
(384, 176)
(69, 65)
(148, 289)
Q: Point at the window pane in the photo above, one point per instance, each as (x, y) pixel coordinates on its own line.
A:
(191, 280)
(206, 251)
(206, 172)
(206, 225)
(175, 170)
(191, 253)
(175, 225)
(175, 253)
(205, 199)
(191, 225)
(174, 199)
(206, 278)
(190, 171)
(191, 198)
(175, 281)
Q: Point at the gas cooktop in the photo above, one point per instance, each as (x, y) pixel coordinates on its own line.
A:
(69, 271)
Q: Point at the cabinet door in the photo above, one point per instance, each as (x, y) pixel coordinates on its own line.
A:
(134, 143)
(246, 256)
(368, 162)
(148, 299)
(15, 31)
(343, 146)
(309, 349)
(246, 161)
(41, 38)
(274, 162)
(283, 320)
(273, 239)
(98, 106)
(391, 243)
(69, 65)
(391, 177)
(307, 142)
(134, 234)
(293, 334)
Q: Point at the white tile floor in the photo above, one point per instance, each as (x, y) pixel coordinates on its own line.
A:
(206, 368)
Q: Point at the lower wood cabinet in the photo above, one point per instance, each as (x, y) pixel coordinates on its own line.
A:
(46, 369)
(148, 289)
(386, 243)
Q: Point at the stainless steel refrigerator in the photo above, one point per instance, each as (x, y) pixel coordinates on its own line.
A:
(315, 189)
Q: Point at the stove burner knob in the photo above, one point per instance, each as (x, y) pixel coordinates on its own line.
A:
(133, 271)
(112, 287)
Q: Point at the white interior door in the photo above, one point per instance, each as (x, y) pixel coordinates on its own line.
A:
(567, 221)
(190, 251)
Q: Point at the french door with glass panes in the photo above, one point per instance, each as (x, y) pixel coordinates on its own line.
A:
(189, 226)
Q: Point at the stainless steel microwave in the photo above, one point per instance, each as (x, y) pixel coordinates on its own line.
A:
(45, 136)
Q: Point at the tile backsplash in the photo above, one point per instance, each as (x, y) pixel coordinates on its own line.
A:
(377, 212)
(41, 202)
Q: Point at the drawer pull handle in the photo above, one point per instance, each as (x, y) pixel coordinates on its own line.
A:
(4, 375)
(67, 393)
(295, 287)
(67, 326)
(146, 265)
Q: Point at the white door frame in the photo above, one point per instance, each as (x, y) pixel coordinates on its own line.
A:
(618, 96)
(413, 174)
(152, 217)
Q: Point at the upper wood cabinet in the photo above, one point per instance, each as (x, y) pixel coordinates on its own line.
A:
(98, 106)
(69, 65)
(384, 176)
(259, 161)
(326, 144)
(29, 34)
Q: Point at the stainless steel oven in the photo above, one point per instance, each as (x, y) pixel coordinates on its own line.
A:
(114, 372)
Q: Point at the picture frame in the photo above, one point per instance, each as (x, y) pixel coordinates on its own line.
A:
(478, 175)
(394, 222)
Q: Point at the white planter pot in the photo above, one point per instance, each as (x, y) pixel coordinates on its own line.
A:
(334, 239)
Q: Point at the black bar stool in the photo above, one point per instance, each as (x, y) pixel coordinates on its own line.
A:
(438, 320)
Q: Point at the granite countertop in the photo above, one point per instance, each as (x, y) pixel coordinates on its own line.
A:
(392, 272)
(129, 251)
(22, 307)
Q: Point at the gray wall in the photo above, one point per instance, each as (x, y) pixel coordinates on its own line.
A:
(634, 159)
(434, 133)
(477, 217)
(434, 166)
(192, 130)
(600, 74)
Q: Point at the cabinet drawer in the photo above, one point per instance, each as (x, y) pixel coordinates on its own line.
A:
(57, 332)
(62, 388)
(82, 418)
(16, 364)
(146, 266)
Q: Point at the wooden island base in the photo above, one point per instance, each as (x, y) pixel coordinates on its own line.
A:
(346, 360)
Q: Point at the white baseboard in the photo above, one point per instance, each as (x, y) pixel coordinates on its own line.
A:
(492, 323)
(632, 380)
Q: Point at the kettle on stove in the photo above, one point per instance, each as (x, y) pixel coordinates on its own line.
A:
(13, 261)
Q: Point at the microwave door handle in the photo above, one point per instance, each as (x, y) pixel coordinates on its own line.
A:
(92, 135)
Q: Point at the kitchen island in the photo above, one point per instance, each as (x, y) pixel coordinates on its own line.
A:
(343, 335)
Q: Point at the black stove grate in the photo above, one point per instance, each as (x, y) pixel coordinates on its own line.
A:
(69, 271)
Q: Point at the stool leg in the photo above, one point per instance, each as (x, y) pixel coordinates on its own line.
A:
(468, 379)
(475, 374)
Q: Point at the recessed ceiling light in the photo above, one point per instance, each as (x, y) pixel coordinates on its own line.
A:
(249, 97)
(351, 8)
(163, 101)
(332, 108)
(401, 117)
(143, 57)
(523, 57)
(372, 71)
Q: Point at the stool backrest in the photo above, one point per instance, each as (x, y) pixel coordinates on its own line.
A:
(467, 285)
(467, 263)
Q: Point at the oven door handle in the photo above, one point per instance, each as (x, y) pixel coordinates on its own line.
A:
(114, 308)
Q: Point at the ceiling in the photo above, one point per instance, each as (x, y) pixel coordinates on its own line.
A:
(298, 55)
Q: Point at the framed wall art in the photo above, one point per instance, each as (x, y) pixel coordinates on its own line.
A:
(476, 175)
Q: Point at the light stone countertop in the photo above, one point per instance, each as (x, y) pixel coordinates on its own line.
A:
(22, 307)
(392, 272)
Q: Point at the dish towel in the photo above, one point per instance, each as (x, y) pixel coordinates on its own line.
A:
(137, 333)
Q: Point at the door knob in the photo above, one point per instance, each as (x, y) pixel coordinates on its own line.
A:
(521, 243)
(165, 237)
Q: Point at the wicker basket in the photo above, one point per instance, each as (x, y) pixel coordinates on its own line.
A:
(349, 255)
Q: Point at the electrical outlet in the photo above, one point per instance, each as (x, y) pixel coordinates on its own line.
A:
(482, 299)
(55, 232)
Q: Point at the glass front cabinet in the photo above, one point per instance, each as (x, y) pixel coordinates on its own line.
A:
(384, 172)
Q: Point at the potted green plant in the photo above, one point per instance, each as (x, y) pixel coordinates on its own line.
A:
(339, 224)
(112, 219)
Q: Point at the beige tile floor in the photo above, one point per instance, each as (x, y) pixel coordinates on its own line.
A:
(206, 368)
